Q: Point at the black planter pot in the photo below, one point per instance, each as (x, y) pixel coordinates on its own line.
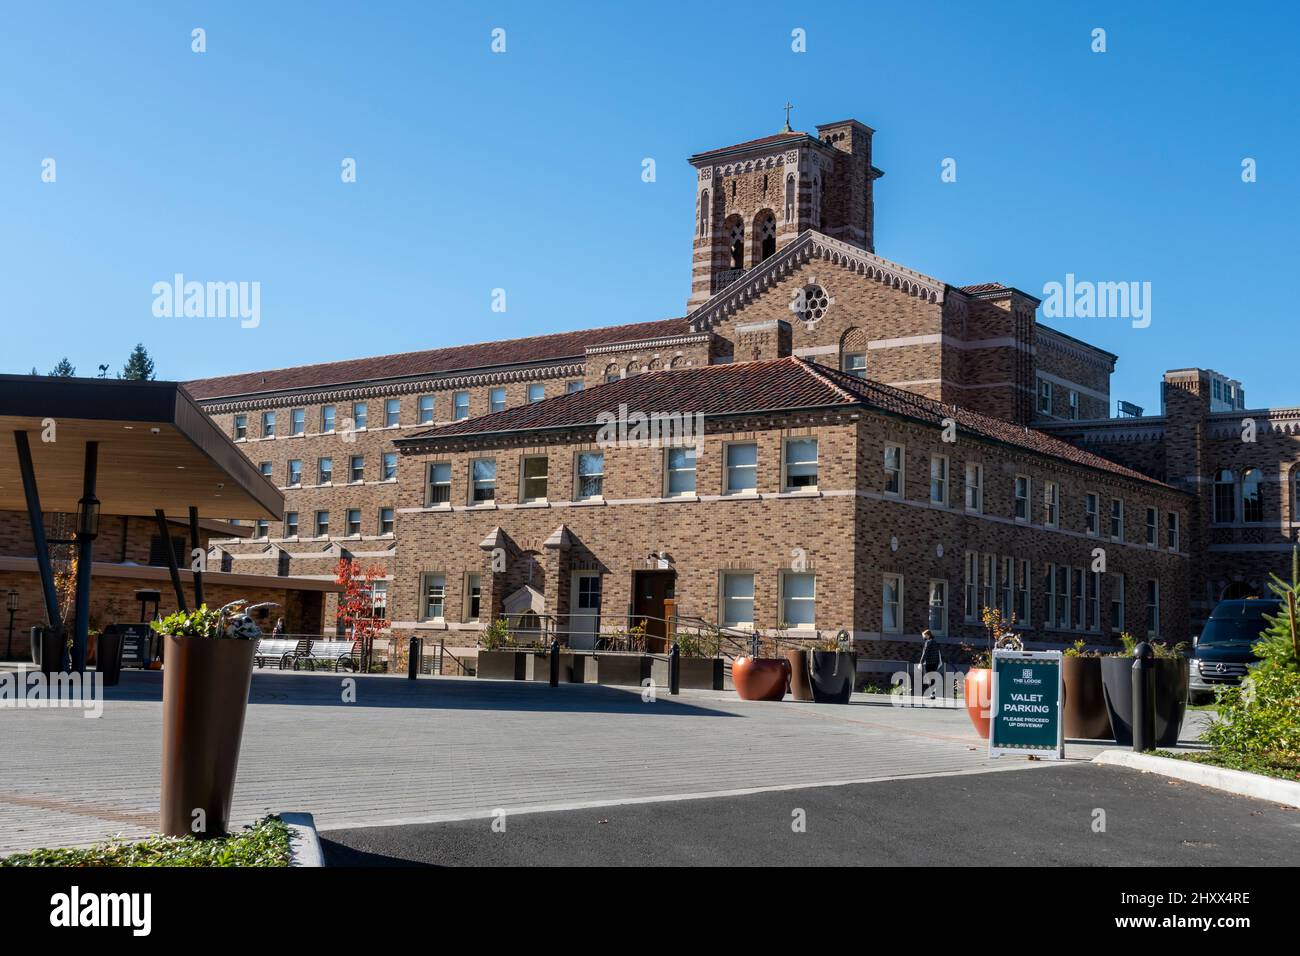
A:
(831, 674)
(1170, 678)
(49, 650)
(108, 657)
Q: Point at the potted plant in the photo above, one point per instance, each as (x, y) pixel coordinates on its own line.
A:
(1170, 682)
(498, 657)
(831, 667)
(1085, 716)
(208, 672)
(977, 687)
(760, 678)
(623, 662)
(699, 661)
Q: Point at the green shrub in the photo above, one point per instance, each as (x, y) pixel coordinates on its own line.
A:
(1262, 717)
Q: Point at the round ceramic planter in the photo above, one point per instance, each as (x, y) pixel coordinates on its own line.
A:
(978, 689)
(760, 678)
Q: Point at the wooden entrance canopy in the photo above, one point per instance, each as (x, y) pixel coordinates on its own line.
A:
(95, 446)
(157, 450)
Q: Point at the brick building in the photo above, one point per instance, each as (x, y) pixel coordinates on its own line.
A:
(878, 451)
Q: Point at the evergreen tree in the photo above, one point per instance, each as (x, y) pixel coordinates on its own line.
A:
(139, 367)
(64, 369)
(1280, 643)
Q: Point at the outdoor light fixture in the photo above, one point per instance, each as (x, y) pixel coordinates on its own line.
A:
(12, 600)
(88, 517)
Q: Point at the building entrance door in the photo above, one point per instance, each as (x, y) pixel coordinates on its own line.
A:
(584, 610)
(650, 590)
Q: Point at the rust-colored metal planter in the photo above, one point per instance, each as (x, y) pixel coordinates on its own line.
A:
(205, 697)
(1085, 714)
(978, 688)
(800, 680)
(760, 678)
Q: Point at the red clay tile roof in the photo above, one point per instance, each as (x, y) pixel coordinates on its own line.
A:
(538, 348)
(762, 141)
(775, 385)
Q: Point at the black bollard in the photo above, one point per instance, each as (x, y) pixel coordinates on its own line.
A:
(675, 670)
(555, 662)
(413, 656)
(1144, 700)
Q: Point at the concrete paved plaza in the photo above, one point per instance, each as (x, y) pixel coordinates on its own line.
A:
(441, 749)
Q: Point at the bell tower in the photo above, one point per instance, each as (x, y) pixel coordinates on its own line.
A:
(754, 198)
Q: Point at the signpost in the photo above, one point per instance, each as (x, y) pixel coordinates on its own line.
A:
(1026, 706)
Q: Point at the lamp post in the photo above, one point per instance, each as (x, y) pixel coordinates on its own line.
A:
(12, 604)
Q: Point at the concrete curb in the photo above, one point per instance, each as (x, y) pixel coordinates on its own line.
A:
(304, 844)
(1239, 782)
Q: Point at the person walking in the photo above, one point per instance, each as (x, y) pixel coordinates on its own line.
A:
(930, 662)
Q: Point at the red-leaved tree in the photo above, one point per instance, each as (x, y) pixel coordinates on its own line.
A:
(357, 606)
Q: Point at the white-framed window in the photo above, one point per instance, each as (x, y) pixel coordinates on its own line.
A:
(799, 465)
(322, 524)
(497, 399)
(536, 392)
(679, 471)
(895, 467)
(591, 475)
(974, 486)
(392, 412)
(360, 415)
(1023, 584)
(483, 480)
(424, 410)
(1007, 586)
(891, 604)
(459, 406)
(1051, 504)
(1252, 496)
(1173, 539)
(291, 524)
(357, 468)
(327, 413)
(989, 582)
(1117, 519)
(298, 421)
(1078, 597)
(434, 591)
(855, 363)
(379, 599)
(534, 474)
(474, 595)
(386, 522)
(268, 424)
(1116, 602)
(1063, 597)
(575, 385)
(1225, 497)
(799, 599)
(938, 608)
(737, 603)
(1022, 497)
(388, 466)
(971, 606)
(295, 471)
(1094, 601)
(241, 427)
(1153, 607)
(353, 528)
(439, 483)
(262, 528)
(1049, 596)
(742, 467)
(1044, 397)
(1153, 527)
(1092, 513)
(325, 471)
(266, 469)
(1073, 397)
(939, 479)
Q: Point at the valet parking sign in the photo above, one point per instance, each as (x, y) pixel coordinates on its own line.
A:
(1026, 705)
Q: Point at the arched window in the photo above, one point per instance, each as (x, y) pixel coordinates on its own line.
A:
(1225, 497)
(789, 197)
(1252, 496)
(704, 213)
(736, 241)
(816, 203)
(764, 235)
(612, 372)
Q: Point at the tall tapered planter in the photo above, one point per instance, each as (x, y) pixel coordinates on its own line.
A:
(1169, 696)
(205, 697)
(1085, 716)
(832, 674)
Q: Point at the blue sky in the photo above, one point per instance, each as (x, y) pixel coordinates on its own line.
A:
(522, 170)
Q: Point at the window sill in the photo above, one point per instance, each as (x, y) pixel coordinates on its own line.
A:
(750, 494)
(483, 506)
(673, 499)
(800, 493)
(536, 503)
(589, 502)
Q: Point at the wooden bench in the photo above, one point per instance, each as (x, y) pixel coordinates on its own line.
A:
(278, 652)
(335, 653)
